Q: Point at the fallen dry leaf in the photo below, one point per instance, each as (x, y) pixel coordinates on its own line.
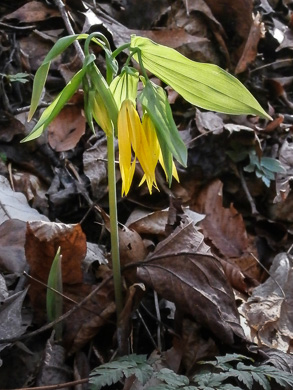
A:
(33, 11)
(42, 242)
(14, 205)
(12, 239)
(224, 227)
(182, 271)
(269, 309)
(65, 131)
(251, 46)
(240, 13)
(198, 286)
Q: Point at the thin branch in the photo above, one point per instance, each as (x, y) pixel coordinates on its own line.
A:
(247, 193)
(61, 318)
(64, 15)
(53, 387)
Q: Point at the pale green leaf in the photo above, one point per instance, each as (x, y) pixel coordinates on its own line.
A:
(272, 165)
(204, 85)
(103, 90)
(42, 73)
(124, 86)
(56, 106)
(54, 300)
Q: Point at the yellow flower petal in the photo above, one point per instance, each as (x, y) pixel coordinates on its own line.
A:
(140, 145)
(127, 167)
(174, 169)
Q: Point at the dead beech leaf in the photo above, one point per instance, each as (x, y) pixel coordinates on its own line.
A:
(237, 32)
(250, 49)
(42, 241)
(133, 298)
(131, 245)
(12, 324)
(53, 368)
(185, 239)
(283, 181)
(65, 131)
(33, 11)
(237, 278)
(144, 222)
(86, 322)
(197, 285)
(223, 226)
(182, 270)
(269, 309)
(12, 239)
(14, 205)
(95, 168)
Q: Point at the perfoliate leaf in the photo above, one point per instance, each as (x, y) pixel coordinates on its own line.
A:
(204, 85)
(56, 106)
(154, 101)
(54, 300)
(41, 74)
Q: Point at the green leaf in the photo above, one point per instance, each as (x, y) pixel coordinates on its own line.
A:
(56, 106)
(154, 101)
(42, 73)
(103, 90)
(54, 300)
(89, 96)
(124, 86)
(243, 376)
(204, 85)
(171, 378)
(272, 165)
(18, 77)
(110, 373)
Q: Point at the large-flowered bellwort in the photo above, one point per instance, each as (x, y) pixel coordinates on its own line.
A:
(138, 142)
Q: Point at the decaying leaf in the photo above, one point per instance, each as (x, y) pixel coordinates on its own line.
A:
(42, 242)
(33, 11)
(144, 222)
(12, 239)
(12, 324)
(65, 131)
(223, 226)
(53, 369)
(269, 309)
(14, 205)
(183, 271)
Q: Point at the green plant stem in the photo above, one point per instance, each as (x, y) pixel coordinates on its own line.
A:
(114, 225)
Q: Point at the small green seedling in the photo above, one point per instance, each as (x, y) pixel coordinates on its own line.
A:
(55, 300)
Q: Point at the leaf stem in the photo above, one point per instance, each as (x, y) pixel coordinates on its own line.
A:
(120, 49)
(114, 225)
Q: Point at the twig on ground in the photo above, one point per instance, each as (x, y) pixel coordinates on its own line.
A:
(247, 193)
(64, 15)
(61, 318)
(53, 387)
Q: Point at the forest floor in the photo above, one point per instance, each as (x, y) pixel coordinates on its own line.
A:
(212, 254)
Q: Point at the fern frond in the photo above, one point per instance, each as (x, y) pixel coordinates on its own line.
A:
(283, 378)
(110, 373)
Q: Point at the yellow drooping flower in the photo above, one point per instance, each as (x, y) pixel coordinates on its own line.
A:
(141, 139)
(131, 137)
(155, 150)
